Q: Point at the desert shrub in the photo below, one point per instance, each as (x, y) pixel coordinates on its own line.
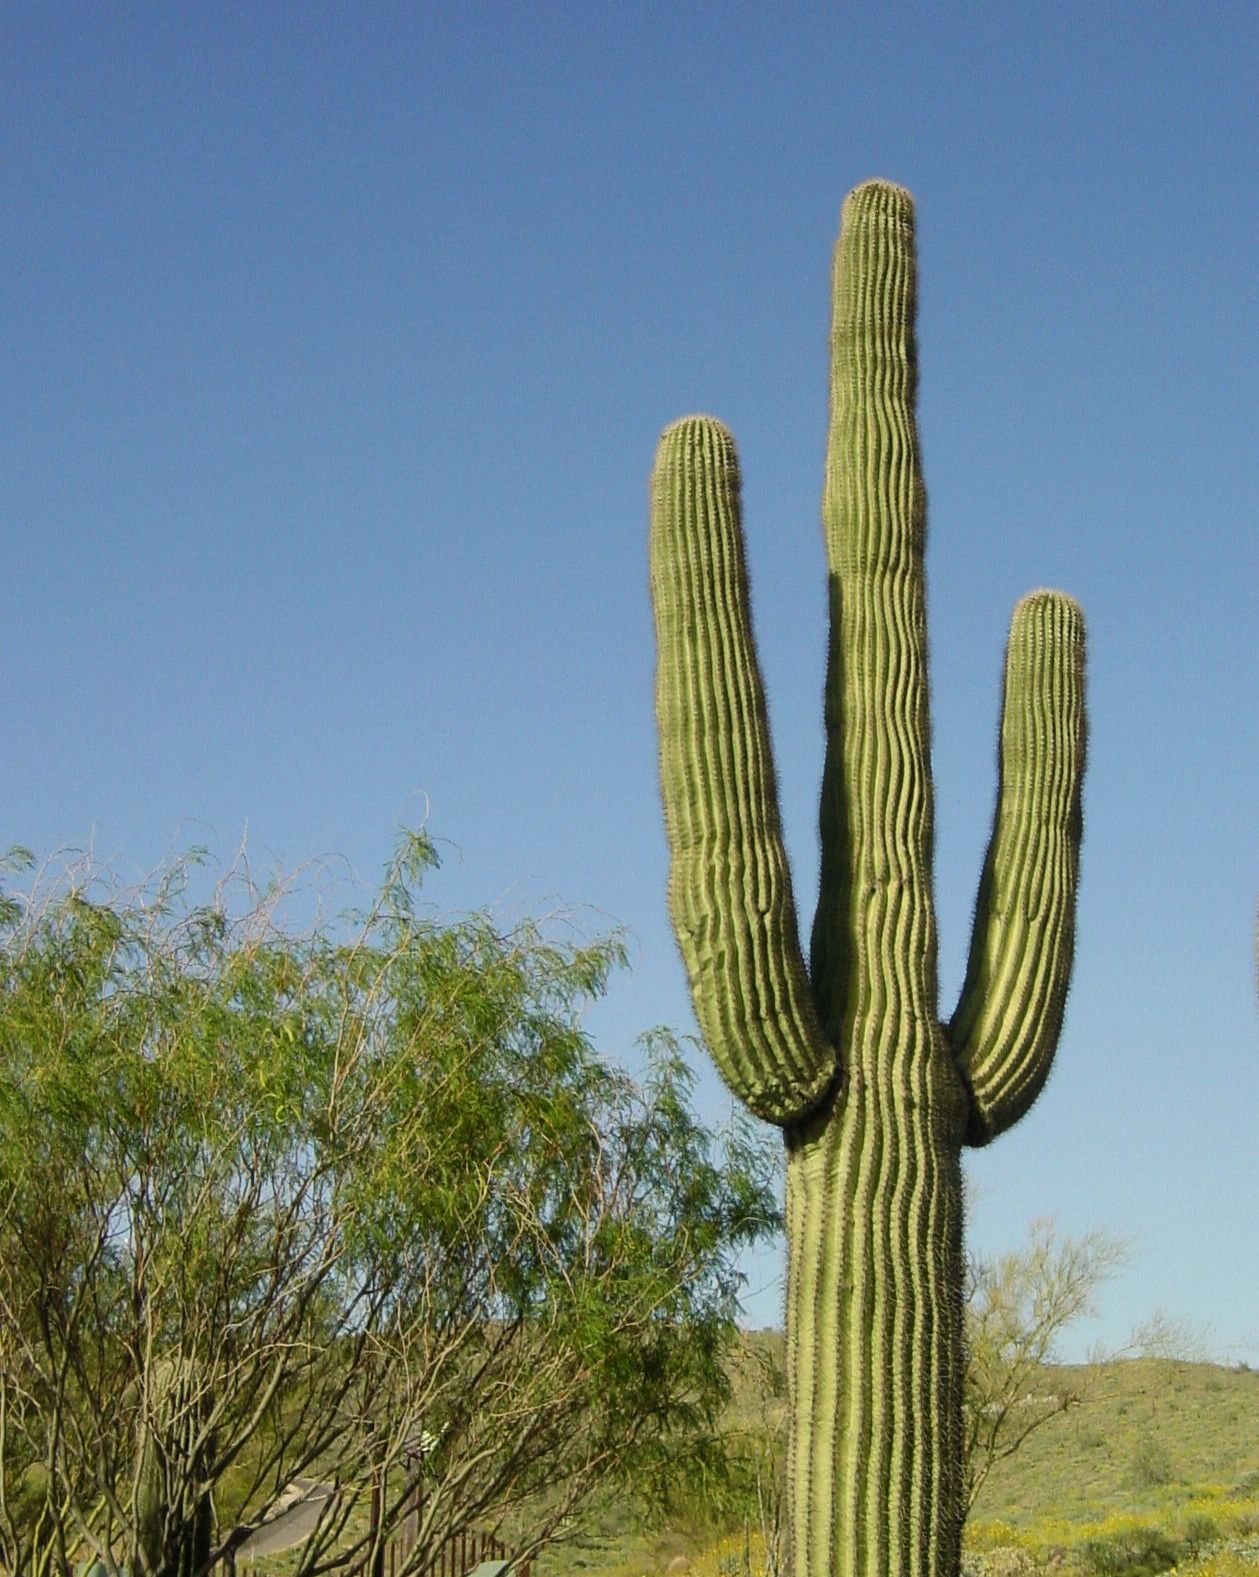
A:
(1009, 1561)
(1225, 1563)
(736, 1555)
(1150, 1466)
(990, 1534)
(1137, 1552)
(1199, 1530)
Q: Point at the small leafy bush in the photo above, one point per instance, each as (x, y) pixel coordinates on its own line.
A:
(1199, 1531)
(1009, 1561)
(1139, 1552)
(1225, 1563)
(1150, 1466)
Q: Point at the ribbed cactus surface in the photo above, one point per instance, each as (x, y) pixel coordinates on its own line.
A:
(174, 1516)
(875, 1094)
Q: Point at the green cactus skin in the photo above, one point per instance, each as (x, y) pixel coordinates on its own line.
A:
(177, 1410)
(876, 1097)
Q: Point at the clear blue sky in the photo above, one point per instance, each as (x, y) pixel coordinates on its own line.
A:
(336, 342)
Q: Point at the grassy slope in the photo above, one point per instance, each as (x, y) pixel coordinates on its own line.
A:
(1149, 1427)
(1149, 1435)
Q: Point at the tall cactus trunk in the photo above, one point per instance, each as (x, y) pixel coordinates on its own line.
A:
(874, 1338)
(874, 1093)
(874, 1319)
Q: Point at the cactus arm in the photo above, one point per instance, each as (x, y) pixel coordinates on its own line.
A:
(874, 935)
(1006, 1025)
(729, 884)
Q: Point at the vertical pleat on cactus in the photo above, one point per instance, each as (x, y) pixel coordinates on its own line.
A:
(174, 1513)
(875, 1095)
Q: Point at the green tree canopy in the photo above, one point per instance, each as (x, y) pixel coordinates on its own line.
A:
(278, 1203)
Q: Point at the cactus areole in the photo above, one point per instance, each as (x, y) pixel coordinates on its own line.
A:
(875, 1095)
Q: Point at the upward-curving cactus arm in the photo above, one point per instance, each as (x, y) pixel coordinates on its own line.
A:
(729, 884)
(1006, 1025)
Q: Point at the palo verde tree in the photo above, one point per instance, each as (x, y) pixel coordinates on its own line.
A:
(1018, 1304)
(875, 1094)
(280, 1203)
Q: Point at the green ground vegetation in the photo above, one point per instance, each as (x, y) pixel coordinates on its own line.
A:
(1155, 1469)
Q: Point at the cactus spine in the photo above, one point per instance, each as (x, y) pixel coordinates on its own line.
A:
(875, 1095)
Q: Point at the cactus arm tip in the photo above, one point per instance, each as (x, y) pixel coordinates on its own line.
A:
(729, 884)
(1006, 1026)
(877, 194)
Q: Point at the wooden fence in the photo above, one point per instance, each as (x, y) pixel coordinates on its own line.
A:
(457, 1556)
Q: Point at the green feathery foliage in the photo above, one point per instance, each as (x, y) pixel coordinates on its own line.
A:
(273, 1202)
(875, 1094)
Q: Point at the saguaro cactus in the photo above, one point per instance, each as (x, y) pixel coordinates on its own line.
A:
(173, 1512)
(874, 1094)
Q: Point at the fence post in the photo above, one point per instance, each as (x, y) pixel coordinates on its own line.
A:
(378, 1548)
(375, 1548)
(412, 1466)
